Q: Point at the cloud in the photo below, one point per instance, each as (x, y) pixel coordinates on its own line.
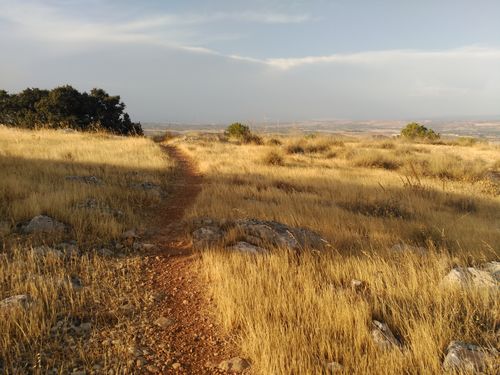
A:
(375, 57)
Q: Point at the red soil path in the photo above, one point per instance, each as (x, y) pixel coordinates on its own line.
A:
(193, 338)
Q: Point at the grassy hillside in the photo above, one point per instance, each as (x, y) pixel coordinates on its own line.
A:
(292, 315)
(98, 185)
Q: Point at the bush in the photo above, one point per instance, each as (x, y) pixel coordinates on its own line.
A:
(273, 158)
(238, 130)
(242, 133)
(416, 131)
(376, 160)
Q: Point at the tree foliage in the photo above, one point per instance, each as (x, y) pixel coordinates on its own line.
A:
(414, 130)
(66, 107)
(238, 130)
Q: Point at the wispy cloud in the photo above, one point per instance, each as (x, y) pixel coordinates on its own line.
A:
(43, 21)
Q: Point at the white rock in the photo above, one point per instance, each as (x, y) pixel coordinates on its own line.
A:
(43, 224)
(493, 268)
(462, 357)
(17, 301)
(470, 277)
(383, 336)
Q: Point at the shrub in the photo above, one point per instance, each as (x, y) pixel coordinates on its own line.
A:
(238, 130)
(242, 133)
(274, 142)
(273, 158)
(416, 131)
(295, 148)
(375, 160)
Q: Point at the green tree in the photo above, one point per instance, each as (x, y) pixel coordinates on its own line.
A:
(415, 130)
(238, 130)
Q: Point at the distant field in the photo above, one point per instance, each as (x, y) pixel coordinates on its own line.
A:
(292, 315)
(487, 130)
(81, 299)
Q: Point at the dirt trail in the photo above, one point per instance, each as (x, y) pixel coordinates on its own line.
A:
(189, 338)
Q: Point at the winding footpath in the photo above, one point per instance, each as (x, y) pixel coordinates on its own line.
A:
(185, 338)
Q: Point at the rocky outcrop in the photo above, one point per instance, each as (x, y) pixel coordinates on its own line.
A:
(260, 234)
(468, 358)
(485, 277)
(43, 224)
(383, 337)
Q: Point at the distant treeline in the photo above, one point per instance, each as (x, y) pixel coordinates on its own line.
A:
(66, 107)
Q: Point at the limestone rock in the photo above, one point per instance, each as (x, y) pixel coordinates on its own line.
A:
(245, 247)
(279, 235)
(462, 357)
(470, 277)
(17, 301)
(259, 233)
(235, 364)
(383, 336)
(207, 236)
(334, 367)
(43, 224)
(358, 285)
(493, 268)
(164, 322)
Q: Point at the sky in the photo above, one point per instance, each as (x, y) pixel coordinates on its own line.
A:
(228, 60)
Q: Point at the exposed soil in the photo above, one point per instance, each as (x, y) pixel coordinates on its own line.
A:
(189, 337)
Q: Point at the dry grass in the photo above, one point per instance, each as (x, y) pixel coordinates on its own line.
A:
(291, 314)
(47, 337)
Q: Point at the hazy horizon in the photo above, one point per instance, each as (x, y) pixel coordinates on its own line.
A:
(223, 61)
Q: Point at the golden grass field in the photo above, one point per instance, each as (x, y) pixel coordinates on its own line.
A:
(33, 166)
(291, 316)
(288, 314)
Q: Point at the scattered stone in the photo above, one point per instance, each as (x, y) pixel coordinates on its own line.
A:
(43, 224)
(334, 367)
(404, 248)
(383, 336)
(235, 364)
(17, 301)
(75, 282)
(470, 277)
(164, 322)
(468, 358)
(245, 247)
(176, 366)
(85, 179)
(358, 285)
(94, 204)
